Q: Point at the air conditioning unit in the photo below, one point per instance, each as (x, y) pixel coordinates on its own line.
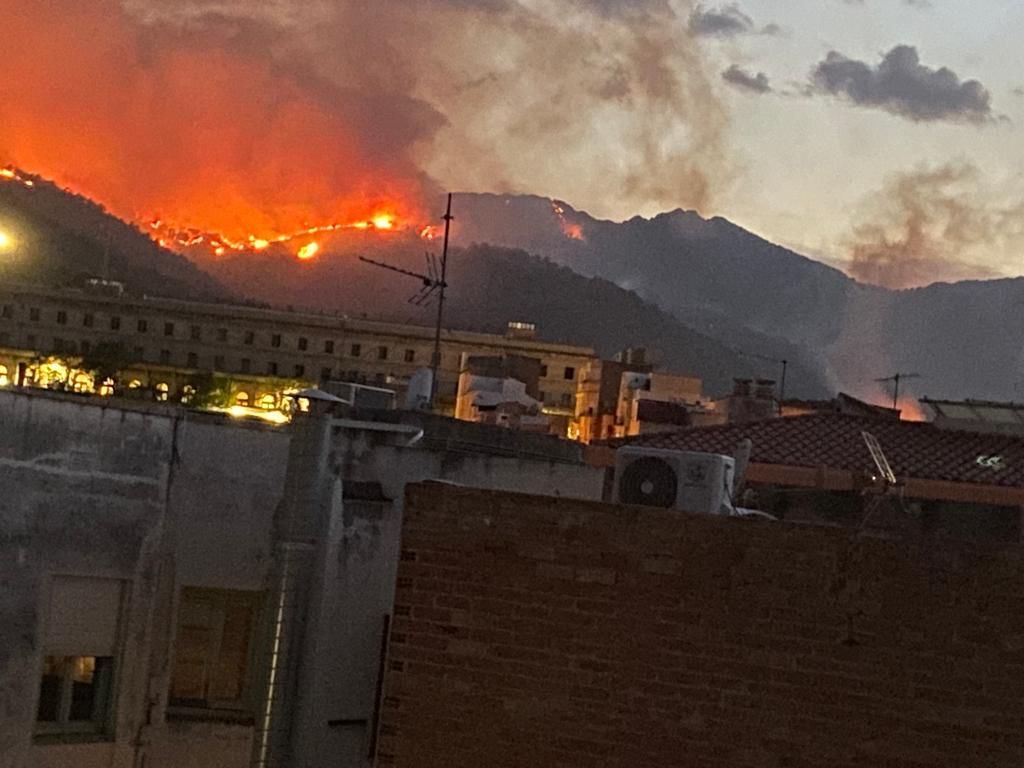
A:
(689, 482)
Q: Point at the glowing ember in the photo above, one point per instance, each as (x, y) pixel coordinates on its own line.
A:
(308, 251)
(384, 221)
(570, 229)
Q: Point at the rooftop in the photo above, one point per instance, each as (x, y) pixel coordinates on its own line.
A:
(914, 449)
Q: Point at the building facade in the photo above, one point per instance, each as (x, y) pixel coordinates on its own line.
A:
(169, 340)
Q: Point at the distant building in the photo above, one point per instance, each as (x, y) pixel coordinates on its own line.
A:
(977, 416)
(163, 337)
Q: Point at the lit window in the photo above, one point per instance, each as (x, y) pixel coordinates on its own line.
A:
(76, 689)
(303, 343)
(134, 384)
(188, 393)
(216, 630)
(4, 376)
(242, 399)
(163, 390)
(267, 402)
(107, 388)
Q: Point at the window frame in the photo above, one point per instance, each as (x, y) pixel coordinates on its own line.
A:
(99, 727)
(244, 707)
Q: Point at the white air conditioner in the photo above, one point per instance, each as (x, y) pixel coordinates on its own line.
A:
(689, 482)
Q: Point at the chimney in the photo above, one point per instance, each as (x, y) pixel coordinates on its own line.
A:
(764, 389)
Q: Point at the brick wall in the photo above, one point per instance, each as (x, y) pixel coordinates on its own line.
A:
(544, 632)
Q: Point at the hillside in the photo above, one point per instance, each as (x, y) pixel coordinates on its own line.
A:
(62, 238)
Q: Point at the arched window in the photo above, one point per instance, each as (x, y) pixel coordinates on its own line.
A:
(268, 402)
(162, 391)
(4, 376)
(188, 393)
(242, 399)
(107, 388)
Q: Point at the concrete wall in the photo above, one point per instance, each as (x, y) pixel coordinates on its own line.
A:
(542, 632)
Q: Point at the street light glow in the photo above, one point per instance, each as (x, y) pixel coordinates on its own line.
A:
(6, 241)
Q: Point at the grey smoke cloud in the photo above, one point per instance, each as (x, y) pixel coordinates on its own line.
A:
(746, 81)
(934, 224)
(726, 21)
(901, 85)
(504, 95)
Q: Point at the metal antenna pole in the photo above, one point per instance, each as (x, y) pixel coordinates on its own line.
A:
(782, 386)
(436, 360)
(895, 391)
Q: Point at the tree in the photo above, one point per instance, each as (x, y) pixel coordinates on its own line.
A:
(106, 360)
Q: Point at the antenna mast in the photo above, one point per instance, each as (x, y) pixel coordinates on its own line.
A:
(435, 362)
(435, 280)
(895, 379)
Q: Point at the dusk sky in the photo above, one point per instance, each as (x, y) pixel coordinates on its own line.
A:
(879, 135)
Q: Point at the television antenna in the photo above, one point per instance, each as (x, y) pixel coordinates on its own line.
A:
(434, 282)
(895, 380)
(782, 381)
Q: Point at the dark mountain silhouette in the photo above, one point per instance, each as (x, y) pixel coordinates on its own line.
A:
(62, 239)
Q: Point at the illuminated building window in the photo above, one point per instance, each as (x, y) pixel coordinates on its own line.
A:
(218, 363)
(115, 323)
(303, 343)
(107, 388)
(272, 369)
(222, 334)
(570, 373)
(134, 384)
(165, 357)
(250, 337)
(329, 347)
(382, 353)
(246, 365)
(325, 374)
(410, 355)
(4, 377)
(162, 391)
(356, 350)
(62, 317)
(267, 402)
(213, 667)
(143, 326)
(242, 399)
(7, 312)
(82, 382)
(196, 333)
(76, 688)
(192, 361)
(275, 340)
(188, 392)
(33, 314)
(300, 371)
(88, 319)
(168, 329)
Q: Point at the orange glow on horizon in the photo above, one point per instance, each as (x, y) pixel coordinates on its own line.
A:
(308, 251)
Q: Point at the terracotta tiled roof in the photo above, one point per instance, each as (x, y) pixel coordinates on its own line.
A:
(915, 450)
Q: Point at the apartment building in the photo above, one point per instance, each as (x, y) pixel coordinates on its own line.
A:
(173, 336)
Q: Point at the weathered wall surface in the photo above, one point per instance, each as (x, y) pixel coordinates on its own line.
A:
(544, 632)
(81, 494)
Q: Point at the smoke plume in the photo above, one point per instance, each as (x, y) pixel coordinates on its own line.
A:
(934, 224)
(237, 116)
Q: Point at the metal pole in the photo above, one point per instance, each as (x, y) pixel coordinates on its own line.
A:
(782, 386)
(896, 392)
(436, 360)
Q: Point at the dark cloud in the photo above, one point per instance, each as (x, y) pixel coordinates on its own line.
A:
(746, 81)
(900, 84)
(726, 21)
(930, 225)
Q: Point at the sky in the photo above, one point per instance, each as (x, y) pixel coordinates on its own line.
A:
(878, 135)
